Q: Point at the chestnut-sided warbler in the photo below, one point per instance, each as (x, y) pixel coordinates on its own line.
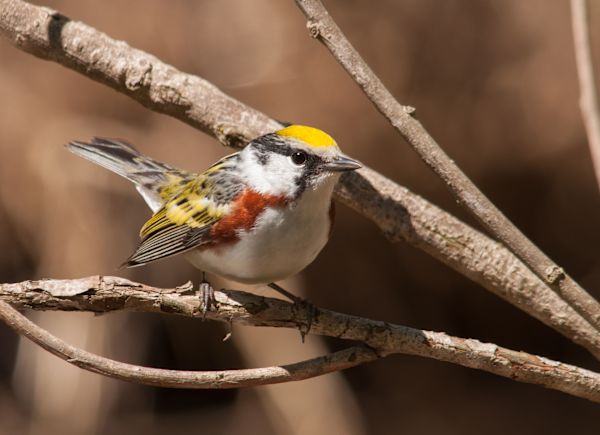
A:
(256, 216)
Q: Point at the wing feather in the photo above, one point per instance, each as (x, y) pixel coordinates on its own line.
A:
(185, 220)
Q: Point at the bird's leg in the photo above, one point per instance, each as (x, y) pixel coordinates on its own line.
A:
(207, 296)
(300, 303)
(292, 297)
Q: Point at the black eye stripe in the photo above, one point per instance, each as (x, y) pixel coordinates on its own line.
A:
(271, 143)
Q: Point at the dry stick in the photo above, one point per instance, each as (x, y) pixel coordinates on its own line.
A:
(402, 215)
(399, 213)
(213, 379)
(322, 27)
(103, 294)
(588, 101)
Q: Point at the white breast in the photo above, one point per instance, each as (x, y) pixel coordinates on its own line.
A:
(283, 242)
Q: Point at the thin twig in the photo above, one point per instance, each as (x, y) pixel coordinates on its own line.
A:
(399, 213)
(588, 100)
(104, 294)
(213, 379)
(322, 27)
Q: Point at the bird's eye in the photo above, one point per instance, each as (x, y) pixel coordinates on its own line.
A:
(298, 158)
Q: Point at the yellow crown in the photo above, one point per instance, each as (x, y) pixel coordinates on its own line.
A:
(309, 135)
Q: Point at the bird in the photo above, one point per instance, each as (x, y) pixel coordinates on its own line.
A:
(256, 216)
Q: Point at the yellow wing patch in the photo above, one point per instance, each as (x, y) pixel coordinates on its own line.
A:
(189, 207)
(188, 202)
(173, 184)
(309, 135)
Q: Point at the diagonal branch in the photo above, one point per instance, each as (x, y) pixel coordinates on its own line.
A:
(588, 100)
(399, 213)
(104, 294)
(322, 27)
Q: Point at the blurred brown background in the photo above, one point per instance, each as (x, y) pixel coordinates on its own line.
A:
(494, 82)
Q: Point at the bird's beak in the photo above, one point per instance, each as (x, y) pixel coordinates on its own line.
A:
(341, 164)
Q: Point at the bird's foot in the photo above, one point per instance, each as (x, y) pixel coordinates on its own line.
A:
(207, 297)
(301, 305)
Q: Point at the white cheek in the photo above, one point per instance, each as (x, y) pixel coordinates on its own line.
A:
(276, 177)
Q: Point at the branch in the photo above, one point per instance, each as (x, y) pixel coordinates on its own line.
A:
(104, 294)
(49, 35)
(217, 379)
(588, 101)
(322, 27)
(404, 216)
(399, 213)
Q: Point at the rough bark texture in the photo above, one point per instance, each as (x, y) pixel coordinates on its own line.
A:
(47, 34)
(104, 294)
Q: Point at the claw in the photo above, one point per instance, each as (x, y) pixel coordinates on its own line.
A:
(300, 304)
(310, 311)
(207, 297)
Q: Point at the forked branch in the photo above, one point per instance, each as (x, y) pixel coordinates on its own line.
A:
(378, 339)
(213, 379)
(322, 27)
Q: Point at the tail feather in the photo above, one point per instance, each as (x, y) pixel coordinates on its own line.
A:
(121, 158)
(150, 177)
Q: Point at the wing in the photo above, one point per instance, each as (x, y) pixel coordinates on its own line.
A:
(185, 221)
